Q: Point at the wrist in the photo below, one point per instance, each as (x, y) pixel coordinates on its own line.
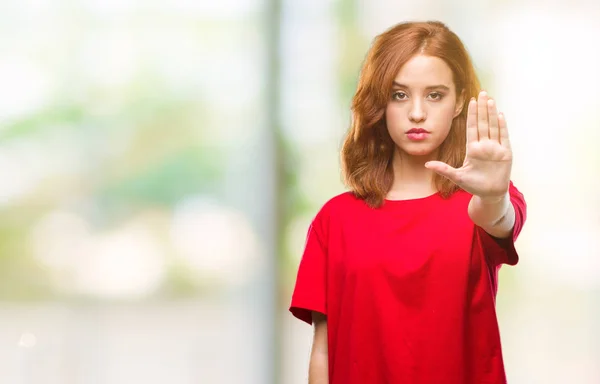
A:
(488, 211)
(495, 199)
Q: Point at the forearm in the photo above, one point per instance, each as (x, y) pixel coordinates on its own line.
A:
(496, 217)
(318, 371)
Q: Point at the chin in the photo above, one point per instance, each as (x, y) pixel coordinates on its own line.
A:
(418, 150)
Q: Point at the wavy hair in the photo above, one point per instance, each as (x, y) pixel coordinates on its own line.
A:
(368, 149)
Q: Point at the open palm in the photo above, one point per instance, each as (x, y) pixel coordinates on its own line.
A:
(487, 166)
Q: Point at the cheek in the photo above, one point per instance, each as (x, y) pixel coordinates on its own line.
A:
(445, 118)
(393, 115)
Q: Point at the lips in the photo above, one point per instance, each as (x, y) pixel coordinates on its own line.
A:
(417, 130)
(417, 134)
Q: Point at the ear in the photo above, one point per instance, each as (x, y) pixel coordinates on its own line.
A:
(460, 103)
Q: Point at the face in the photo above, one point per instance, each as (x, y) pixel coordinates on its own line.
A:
(423, 103)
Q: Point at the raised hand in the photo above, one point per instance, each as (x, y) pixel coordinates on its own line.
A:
(487, 166)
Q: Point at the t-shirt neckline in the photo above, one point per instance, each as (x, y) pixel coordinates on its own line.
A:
(412, 200)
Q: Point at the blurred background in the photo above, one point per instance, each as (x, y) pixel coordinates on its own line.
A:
(160, 163)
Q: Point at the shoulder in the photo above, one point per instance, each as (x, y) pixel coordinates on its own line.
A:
(339, 206)
(342, 201)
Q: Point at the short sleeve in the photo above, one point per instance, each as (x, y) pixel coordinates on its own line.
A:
(502, 251)
(311, 280)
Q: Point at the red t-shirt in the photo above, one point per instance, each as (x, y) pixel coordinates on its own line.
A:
(409, 290)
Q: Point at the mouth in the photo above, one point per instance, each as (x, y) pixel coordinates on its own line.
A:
(417, 134)
(417, 130)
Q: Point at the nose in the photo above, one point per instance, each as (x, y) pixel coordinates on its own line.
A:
(417, 113)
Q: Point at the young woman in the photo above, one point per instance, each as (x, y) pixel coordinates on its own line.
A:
(399, 275)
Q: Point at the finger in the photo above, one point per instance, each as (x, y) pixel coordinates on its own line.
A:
(493, 120)
(472, 121)
(444, 170)
(503, 131)
(482, 116)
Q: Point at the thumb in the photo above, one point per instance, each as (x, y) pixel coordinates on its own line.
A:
(443, 169)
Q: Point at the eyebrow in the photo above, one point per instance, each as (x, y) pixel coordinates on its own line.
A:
(439, 86)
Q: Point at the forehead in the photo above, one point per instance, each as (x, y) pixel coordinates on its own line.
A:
(423, 71)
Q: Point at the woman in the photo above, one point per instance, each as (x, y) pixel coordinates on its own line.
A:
(399, 275)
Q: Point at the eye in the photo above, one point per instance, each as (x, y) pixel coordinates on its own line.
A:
(399, 95)
(436, 96)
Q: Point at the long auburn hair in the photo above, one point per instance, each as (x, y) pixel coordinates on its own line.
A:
(368, 149)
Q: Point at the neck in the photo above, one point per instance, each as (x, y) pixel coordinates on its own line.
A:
(411, 178)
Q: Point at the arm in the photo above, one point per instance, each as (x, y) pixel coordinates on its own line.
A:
(318, 370)
(495, 216)
(486, 170)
